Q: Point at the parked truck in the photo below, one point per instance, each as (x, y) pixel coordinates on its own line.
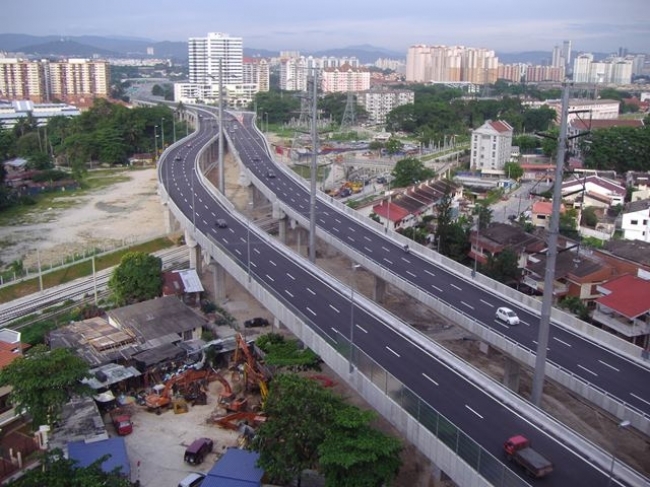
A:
(518, 449)
(122, 422)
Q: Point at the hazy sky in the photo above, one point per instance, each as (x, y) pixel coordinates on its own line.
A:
(504, 25)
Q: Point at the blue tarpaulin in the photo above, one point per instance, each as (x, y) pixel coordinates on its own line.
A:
(236, 468)
(87, 453)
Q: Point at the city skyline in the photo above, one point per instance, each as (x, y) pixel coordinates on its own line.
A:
(289, 25)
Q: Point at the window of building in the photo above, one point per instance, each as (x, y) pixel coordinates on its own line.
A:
(634, 222)
(645, 222)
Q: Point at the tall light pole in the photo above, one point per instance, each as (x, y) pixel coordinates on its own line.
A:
(478, 237)
(551, 256)
(162, 132)
(248, 239)
(174, 126)
(352, 284)
(314, 169)
(155, 143)
(266, 117)
(621, 425)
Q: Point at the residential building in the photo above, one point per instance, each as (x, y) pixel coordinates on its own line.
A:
(345, 78)
(497, 237)
(609, 192)
(535, 74)
(451, 63)
(293, 74)
(22, 80)
(379, 102)
(208, 57)
(613, 70)
(582, 68)
(575, 275)
(541, 212)
(207, 53)
(491, 147)
(78, 81)
(624, 308)
(635, 221)
(256, 71)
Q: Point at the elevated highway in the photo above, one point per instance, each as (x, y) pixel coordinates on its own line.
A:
(453, 413)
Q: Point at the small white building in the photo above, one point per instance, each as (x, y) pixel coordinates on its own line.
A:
(491, 147)
(635, 222)
(378, 103)
(579, 190)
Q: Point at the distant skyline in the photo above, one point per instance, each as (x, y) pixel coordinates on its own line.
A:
(506, 25)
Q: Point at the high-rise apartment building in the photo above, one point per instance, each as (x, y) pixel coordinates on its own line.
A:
(76, 81)
(582, 68)
(205, 53)
(451, 63)
(344, 78)
(295, 69)
(256, 71)
(566, 52)
(491, 146)
(22, 80)
(379, 102)
(613, 70)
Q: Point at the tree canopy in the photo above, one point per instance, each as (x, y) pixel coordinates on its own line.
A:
(44, 381)
(410, 170)
(309, 427)
(620, 149)
(57, 471)
(137, 278)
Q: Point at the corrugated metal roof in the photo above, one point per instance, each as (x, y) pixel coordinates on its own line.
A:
(87, 453)
(191, 281)
(236, 468)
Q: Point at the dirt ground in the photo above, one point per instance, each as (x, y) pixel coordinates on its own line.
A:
(132, 210)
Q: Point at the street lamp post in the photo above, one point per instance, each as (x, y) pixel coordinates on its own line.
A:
(162, 132)
(352, 284)
(478, 237)
(266, 117)
(248, 239)
(155, 142)
(174, 127)
(621, 425)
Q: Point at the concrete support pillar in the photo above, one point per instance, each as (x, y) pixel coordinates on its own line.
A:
(218, 281)
(379, 291)
(282, 231)
(436, 475)
(195, 253)
(170, 221)
(511, 374)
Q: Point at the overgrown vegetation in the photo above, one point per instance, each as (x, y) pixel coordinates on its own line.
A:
(287, 353)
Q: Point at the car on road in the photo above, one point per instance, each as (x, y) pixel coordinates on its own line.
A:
(507, 315)
(197, 451)
(270, 174)
(178, 158)
(256, 322)
(195, 479)
(221, 223)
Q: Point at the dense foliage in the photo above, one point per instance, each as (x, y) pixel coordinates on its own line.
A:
(409, 171)
(618, 148)
(309, 427)
(137, 278)
(282, 352)
(108, 133)
(43, 382)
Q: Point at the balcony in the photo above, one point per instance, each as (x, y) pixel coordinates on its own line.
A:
(559, 289)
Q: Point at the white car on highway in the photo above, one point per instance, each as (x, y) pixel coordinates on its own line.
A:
(507, 315)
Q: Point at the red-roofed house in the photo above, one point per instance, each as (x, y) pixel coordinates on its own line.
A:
(391, 214)
(541, 213)
(625, 308)
(491, 147)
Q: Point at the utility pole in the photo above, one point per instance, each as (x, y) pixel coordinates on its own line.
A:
(221, 170)
(551, 255)
(314, 169)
